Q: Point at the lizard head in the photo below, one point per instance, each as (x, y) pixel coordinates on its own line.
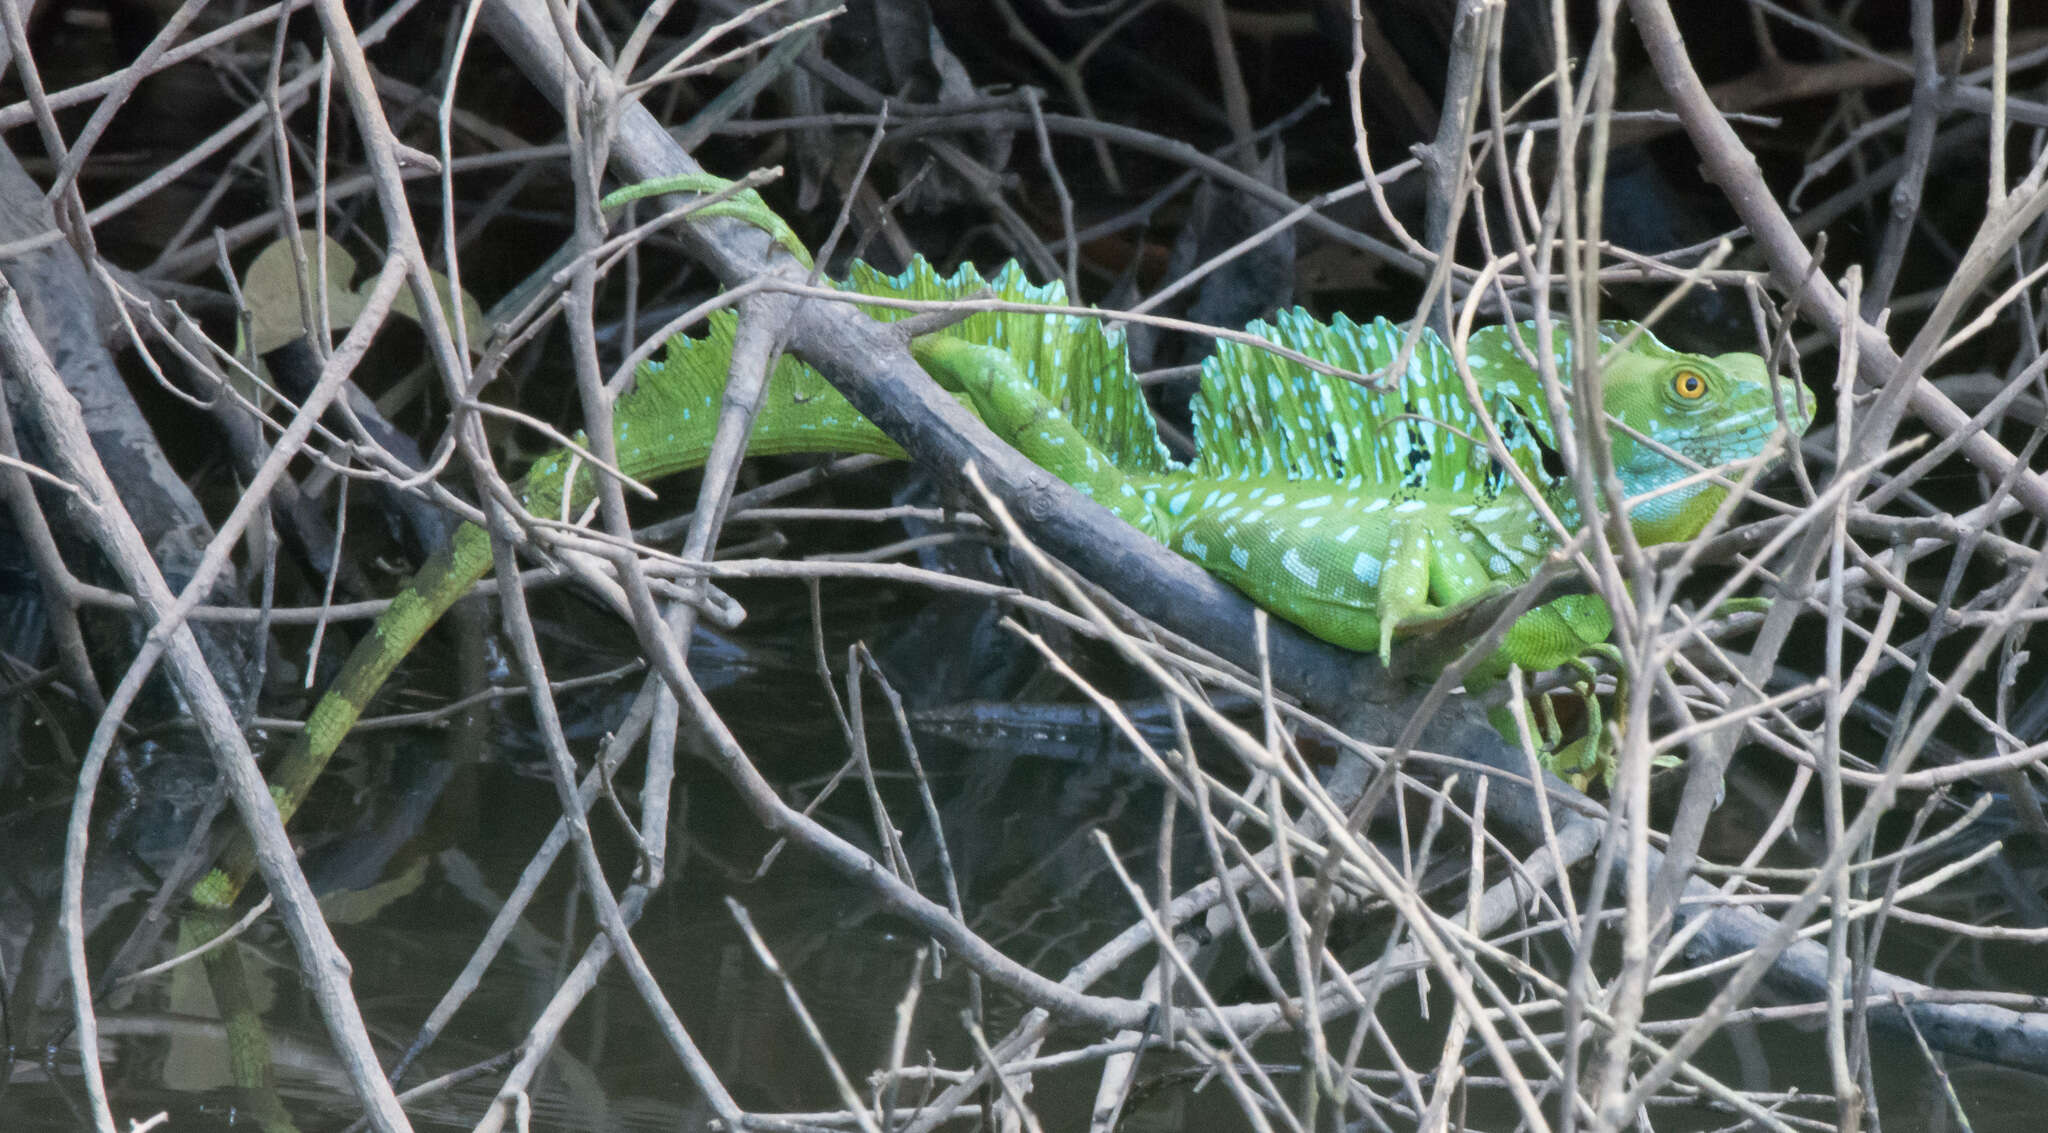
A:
(1710, 411)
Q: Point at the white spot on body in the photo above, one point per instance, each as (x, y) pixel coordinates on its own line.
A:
(1294, 565)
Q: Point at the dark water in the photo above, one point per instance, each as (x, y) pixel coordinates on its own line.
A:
(413, 846)
(414, 841)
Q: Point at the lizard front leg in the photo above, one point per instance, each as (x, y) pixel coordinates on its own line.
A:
(1425, 579)
(1016, 411)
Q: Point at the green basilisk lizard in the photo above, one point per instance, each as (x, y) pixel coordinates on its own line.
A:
(1349, 510)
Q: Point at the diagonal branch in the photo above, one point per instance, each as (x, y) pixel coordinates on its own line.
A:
(870, 365)
(324, 966)
(1730, 164)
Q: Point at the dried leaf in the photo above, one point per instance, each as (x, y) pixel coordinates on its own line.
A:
(270, 287)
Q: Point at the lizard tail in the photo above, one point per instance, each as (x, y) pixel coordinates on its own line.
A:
(666, 425)
(445, 577)
(663, 427)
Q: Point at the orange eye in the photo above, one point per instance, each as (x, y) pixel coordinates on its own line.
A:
(1689, 385)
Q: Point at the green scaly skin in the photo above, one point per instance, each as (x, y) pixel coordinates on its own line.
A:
(1349, 511)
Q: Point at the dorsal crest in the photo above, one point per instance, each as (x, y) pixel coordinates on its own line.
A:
(1261, 415)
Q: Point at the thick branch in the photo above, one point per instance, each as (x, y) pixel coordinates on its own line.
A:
(871, 366)
(61, 302)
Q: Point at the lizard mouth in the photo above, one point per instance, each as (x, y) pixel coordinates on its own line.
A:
(1732, 446)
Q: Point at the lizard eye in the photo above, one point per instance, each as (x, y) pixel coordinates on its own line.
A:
(1689, 384)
